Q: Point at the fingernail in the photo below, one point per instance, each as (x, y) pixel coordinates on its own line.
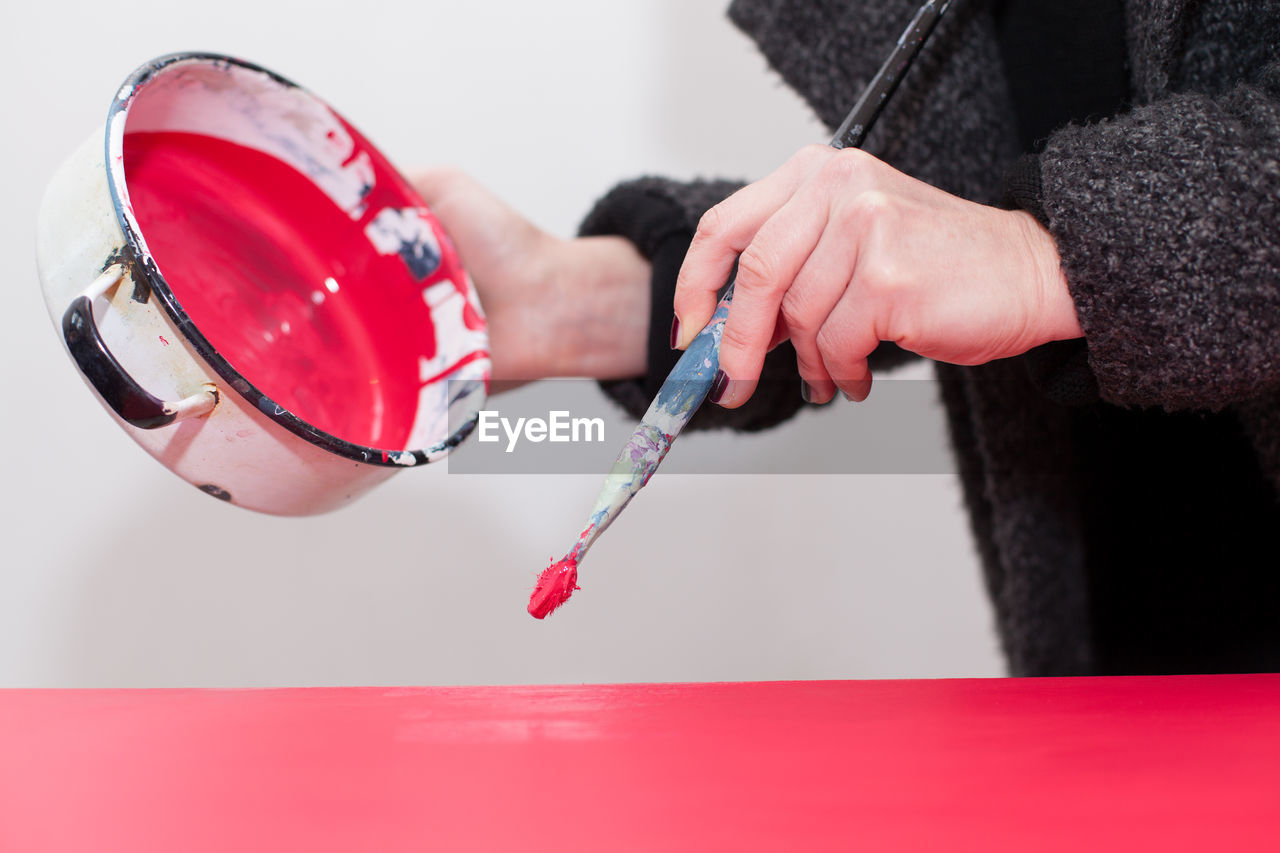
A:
(806, 392)
(864, 388)
(718, 385)
(675, 331)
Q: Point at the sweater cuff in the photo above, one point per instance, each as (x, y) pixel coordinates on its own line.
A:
(1022, 189)
(1060, 369)
(644, 217)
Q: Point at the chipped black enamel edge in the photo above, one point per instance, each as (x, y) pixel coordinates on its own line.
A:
(148, 279)
(216, 491)
(126, 397)
(125, 257)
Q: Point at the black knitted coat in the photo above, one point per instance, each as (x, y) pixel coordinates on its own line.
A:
(1122, 490)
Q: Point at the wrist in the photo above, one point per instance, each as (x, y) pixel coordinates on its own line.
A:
(1055, 308)
(599, 287)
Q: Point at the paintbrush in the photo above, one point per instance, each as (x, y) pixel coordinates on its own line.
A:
(690, 380)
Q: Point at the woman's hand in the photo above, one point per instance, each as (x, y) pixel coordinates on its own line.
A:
(554, 307)
(838, 251)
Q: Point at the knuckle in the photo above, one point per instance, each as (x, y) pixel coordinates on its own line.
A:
(905, 333)
(815, 152)
(734, 337)
(838, 356)
(795, 310)
(711, 224)
(872, 210)
(838, 170)
(879, 275)
(843, 165)
(829, 344)
(758, 268)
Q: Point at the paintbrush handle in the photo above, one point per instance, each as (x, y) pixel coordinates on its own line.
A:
(680, 396)
(690, 380)
(853, 131)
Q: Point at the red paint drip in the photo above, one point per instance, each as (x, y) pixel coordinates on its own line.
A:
(558, 581)
(555, 585)
(285, 285)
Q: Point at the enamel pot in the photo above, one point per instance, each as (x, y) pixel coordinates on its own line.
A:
(255, 294)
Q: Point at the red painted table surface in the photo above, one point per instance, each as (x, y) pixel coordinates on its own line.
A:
(1168, 763)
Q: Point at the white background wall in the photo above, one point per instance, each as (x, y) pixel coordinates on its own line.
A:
(115, 572)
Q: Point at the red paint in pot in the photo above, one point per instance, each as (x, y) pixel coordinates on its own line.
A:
(286, 286)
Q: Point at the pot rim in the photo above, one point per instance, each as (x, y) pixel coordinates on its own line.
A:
(138, 259)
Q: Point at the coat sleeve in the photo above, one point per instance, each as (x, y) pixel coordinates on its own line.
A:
(659, 216)
(1167, 219)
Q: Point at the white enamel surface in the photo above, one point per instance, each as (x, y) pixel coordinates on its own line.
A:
(76, 229)
(252, 109)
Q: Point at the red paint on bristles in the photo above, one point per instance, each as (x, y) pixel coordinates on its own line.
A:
(556, 583)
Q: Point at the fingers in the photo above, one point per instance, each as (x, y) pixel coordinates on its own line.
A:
(780, 333)
(844, 342)
(808, 304)
(766, 269)
(793, 273)
(725, 231)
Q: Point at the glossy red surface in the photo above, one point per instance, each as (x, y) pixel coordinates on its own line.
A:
(285, 285)
(1160, 763)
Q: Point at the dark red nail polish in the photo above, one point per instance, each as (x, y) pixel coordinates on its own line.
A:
(675, 331)
(718, 385)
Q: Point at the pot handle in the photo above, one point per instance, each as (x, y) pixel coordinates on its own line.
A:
(121, 392)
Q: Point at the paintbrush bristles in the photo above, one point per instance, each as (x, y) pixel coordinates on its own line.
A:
(555, 585)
